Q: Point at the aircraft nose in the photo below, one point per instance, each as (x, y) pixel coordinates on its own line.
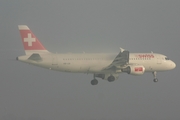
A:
(173, 65)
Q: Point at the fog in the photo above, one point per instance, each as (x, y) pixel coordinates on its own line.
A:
(93, 26)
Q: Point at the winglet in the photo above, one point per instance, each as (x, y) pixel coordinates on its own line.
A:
(121, 49)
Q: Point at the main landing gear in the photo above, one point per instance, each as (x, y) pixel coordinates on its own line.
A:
(155, 78)
(111, 78)
(94, 81)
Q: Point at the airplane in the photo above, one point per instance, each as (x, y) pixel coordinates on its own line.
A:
(106, 66)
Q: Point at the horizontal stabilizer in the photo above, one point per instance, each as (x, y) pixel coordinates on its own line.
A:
(35, 57)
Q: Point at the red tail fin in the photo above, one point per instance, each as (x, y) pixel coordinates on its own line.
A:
(30, 42)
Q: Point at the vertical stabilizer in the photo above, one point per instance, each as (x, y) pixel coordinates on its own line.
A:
(30, 41)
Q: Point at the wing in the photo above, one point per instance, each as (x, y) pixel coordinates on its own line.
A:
(121, 60)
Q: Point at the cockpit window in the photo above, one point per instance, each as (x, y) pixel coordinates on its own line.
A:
(167, 58)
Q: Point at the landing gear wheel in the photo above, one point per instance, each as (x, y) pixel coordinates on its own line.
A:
(111, 78)
(94, 82)
(155, 80)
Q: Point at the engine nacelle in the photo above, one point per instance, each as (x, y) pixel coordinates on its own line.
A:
(134, 70)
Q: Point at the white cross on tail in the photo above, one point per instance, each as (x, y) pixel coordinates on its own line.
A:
(29, 39)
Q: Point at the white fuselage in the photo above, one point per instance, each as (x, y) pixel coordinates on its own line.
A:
(96, 63)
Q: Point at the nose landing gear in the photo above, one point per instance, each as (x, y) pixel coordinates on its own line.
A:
(155, 78)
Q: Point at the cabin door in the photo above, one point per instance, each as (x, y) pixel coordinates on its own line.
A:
(54, 61)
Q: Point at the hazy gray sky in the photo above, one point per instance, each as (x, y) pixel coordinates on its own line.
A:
(31, 93)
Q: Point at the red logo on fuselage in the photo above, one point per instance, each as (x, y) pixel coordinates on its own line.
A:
(138, 69)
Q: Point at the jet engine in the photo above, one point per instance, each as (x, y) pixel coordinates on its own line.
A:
(134, 70)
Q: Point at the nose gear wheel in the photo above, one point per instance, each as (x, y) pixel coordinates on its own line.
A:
(155, 78)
